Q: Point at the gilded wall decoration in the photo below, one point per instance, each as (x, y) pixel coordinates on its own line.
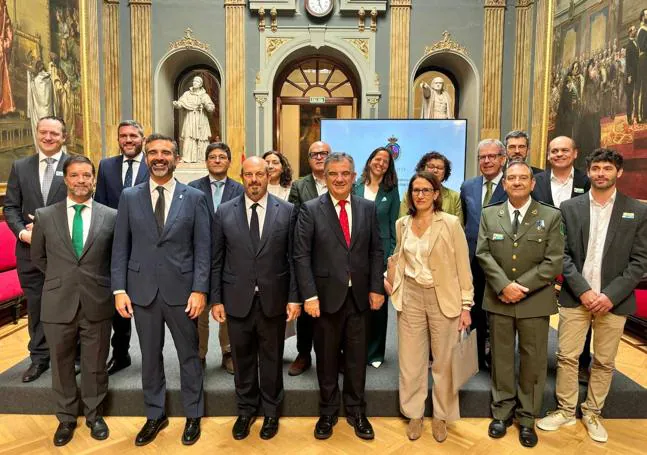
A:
(446, 44)
(361, 45)
(273, 44)
(189, 42)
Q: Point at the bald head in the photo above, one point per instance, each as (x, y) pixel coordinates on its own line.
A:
(317, 154)
(562, 152)
(255, 177)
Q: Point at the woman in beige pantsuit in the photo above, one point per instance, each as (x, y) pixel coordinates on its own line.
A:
(433, 293)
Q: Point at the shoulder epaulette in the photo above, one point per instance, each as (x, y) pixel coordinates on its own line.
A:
(493, 204)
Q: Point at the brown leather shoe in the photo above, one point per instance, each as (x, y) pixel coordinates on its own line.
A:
(414, 430)
(300, 364)
(439, 429)
(228, 362)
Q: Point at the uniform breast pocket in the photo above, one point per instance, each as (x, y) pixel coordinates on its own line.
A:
(536, 242)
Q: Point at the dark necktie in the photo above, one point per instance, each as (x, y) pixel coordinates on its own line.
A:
(128, 180)
(254, 230)
(343, 220)
(515, 222)
(159, 210)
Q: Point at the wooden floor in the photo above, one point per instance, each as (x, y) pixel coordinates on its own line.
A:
(32, 434)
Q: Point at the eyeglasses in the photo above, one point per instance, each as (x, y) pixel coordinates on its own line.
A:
(318, 154)
(424, 192)
(492, 157)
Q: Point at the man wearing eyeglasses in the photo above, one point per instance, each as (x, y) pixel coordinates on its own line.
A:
(218, 189)
(309, 187)
(475, 194)
(517, 145)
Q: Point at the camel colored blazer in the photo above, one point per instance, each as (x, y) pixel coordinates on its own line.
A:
(448, 261)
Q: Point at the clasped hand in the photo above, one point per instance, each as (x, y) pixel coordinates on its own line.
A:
(513, 293)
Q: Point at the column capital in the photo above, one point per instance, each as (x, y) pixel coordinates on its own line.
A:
(110, 2)
(524, 3)
(494, 3)
(139, 2)
(235, 3)
(401, 3)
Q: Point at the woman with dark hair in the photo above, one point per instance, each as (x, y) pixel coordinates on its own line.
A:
(431, 289)
(439, 165)
(280, 172)
(379, 183)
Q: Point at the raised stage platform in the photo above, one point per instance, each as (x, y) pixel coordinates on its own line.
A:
(626, 399)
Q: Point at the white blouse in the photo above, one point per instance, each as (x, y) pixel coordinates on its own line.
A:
(416, 254)
(279, 191)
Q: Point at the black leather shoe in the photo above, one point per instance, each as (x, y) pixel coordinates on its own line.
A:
(362, 426)
(149, 431)
(117, 364)
(270, 427)
(498, 428)
(191, 431)
(98, 429)
(34, 371)
(527, 436)
(242, 427)
(323, 428)
(64, 433)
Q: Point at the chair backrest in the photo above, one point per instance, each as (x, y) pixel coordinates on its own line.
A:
(7, 248)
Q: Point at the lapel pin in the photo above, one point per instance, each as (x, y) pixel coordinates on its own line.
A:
(578, 190)
(501, 212)
(180, 196)
(59, 173)
(534, 212)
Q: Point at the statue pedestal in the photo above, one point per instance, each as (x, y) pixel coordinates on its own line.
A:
(186, 172)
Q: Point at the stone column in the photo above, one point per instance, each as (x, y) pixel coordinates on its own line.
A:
(112, 83)
(235, 82)
(90, 79)
(522, 49)
(399, 59)
(492, 68)
(140, 38)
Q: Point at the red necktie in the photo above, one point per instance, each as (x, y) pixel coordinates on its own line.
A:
(343, 220)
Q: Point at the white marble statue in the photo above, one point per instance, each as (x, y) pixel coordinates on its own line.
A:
(196, 131)
(436, 101)
(40, 95)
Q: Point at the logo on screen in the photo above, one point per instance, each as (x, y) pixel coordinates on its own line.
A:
(393, 147)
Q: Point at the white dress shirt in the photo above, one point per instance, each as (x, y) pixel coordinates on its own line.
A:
(86, 216)
(561, 191)
(281, 192)
(321, 186)
(260, 211)
(600, 218)
(369, 194)
(495, 181)
(335, 203)
(137, 161)
(522, 210)
(42, 165)
(169, 190)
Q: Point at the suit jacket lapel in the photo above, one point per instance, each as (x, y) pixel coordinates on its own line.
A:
(142, 172)
(436, 226)
(176, 205)
(146, 205)
(116, 171)
(528, 219)
(616, 215)
(579, 181)
(241, 220)
(205, 187)
(96, 221)
(477, 193)
(504, 221)
(271, 211)
(35, 180)
(311, 186)
(499, 193)
(585, 216)
(357, 221)
(60, 220)
(57, 181)
(544, 187)
(330, 213)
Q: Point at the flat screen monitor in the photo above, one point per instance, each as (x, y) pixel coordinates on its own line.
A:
(408, 140)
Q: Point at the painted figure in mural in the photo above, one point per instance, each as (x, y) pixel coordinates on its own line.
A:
(195, 128)
(631, 65)
(40, 95)
(6, 39)
(436, 101)
(63, 99)
(641, 81)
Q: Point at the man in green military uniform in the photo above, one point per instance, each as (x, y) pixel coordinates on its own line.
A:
(520, 248)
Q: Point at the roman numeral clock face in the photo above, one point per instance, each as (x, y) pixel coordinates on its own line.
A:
(319, 8)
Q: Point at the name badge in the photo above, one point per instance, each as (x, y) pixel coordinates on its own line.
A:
(578, 190)
(59, 173)
(628, 215)
(496, 236)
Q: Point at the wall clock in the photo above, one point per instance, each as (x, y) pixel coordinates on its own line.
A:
(319, 8)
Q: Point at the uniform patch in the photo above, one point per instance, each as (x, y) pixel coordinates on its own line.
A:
(562, 229)
(497, 236)
(628, 215)
(541, 225)
(578, 190)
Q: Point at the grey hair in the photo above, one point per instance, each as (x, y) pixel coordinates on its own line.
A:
(515, 134)
(519, 163)
(487, 142)
(337, 157)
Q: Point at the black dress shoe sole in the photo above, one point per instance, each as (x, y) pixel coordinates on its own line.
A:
(188, 442)
(366, 437)
(239, 437)
(162, 426)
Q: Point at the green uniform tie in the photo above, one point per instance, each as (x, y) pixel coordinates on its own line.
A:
(77, 230)
(488, 192)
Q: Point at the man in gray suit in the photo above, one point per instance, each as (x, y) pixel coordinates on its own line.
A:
(71, 245)
(303, 190)
(35, 181)
(604, 260)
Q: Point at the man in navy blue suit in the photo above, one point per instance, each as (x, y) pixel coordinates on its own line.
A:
(116, 173)
(161, 259)
(218, 189)
(476, 193)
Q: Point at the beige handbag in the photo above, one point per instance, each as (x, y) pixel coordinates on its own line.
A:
(465, 362)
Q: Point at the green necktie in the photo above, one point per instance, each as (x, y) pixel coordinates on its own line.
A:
(77, 230)
(488, 193)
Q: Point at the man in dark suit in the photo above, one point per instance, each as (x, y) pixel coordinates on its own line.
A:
(116, 173)
(517, 146)
(641, 77)
(631, 75)
(254, 287)
(35, 181)
(218, 189)
(604, 260)
(305, 189)
(339, 261)
(71, 245)
(161, 260)
(476, 193)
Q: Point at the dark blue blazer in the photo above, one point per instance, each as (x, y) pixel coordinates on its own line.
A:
(236, 267)
(471, 202)
(175, 263)
(109, 183)
(231, 190)
(543, 193)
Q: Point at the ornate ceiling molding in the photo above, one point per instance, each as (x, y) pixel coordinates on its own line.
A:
(446, 44)
(189, 42)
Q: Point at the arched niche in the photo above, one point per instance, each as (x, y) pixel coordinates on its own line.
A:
(467, 82)
(169, 70)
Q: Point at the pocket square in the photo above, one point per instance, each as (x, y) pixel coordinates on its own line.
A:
(383, 198)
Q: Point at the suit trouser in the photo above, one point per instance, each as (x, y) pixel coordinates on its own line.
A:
(523, 399)
(305, 333)
(378, 322)
(479, 315)
(348, 327)
(629, 93)
(31, 280)
(641, 86)
(149, 322)
(573, 325)
(122, 332)
(94, 337)
(257, 343)
(203, 335)
(421, 323)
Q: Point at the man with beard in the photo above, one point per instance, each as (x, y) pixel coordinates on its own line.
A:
(604, 260)
(517, 146)
(71, 245)
(161, 261)
(116, 173)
